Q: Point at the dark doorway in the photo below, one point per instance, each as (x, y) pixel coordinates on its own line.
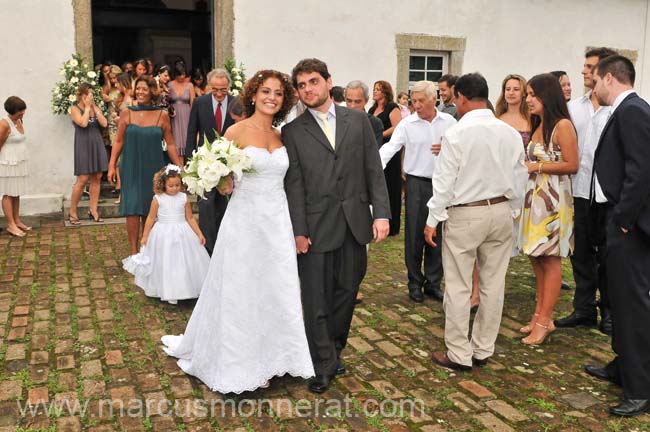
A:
(164, 30)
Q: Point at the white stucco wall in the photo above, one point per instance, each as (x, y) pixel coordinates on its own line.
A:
(357, 38)
(36, 40)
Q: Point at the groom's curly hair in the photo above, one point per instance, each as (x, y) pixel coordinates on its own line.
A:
(256, 81)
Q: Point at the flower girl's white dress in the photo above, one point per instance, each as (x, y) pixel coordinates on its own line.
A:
(173, 264)
(247, 326)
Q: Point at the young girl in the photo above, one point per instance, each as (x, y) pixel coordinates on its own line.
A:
(172, 262)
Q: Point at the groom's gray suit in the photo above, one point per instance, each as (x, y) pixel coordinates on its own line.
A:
(329, 193)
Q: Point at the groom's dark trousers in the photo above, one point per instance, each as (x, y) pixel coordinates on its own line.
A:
(330, 282)
(329, 189)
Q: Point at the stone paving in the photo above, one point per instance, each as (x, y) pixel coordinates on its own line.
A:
(79, 350)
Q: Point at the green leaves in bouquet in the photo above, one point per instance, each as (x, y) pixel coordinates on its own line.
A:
(74, 72)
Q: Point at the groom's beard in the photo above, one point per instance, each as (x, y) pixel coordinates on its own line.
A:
(316, 104)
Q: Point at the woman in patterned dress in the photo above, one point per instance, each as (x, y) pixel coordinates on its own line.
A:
(546, 228)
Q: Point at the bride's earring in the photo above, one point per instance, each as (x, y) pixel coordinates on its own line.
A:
(253, 103)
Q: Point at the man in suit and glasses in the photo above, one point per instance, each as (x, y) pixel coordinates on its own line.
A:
(334, 176)
(621, 183)
(210, 114)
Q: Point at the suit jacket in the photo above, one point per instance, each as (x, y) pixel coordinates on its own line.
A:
(202, 122)
(622, 163)
(330, 190)
(378, 127)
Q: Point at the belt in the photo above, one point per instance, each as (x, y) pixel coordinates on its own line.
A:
(484, 202)
(426, 179)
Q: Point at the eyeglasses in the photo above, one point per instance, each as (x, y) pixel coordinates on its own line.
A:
(219, 90)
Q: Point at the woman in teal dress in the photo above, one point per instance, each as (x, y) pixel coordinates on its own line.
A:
(140, 132)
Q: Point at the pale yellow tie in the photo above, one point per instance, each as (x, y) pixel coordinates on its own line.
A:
(325, 125)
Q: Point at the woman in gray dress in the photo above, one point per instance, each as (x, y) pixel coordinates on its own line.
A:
(89, 154)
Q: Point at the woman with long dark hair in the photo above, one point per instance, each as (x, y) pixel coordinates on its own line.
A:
(386, 110)
(546, 229)
(181, 98)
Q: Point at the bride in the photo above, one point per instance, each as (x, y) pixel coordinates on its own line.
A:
(247, 326)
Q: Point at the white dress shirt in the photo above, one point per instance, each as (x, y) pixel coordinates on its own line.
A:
(600, 195)
(589, 125)
(331, 118)
(481, 158)
(417, 135)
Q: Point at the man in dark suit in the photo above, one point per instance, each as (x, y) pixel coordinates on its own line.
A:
(334, 176)
(621, 183)
(356, 95)
(210, 115)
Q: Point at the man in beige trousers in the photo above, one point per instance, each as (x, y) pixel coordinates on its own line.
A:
(478, 187)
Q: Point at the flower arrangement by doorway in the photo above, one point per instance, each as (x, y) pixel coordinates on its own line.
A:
(74, 72)
(236, 74)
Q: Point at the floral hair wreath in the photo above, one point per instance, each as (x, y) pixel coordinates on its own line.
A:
(172, 167)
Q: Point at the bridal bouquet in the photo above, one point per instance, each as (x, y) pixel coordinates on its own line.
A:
(211, 163)
(74, 72)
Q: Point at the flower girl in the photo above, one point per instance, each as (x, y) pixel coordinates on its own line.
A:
(172, 262)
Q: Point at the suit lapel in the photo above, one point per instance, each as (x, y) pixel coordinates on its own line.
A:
(312, 128)
(342, 124)
(611, 120)
(210, 113)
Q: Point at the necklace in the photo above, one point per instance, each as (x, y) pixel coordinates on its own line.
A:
(260, 128)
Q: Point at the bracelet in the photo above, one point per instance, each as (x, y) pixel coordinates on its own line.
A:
(539, 167)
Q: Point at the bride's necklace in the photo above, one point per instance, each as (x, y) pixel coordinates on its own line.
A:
(260, 128)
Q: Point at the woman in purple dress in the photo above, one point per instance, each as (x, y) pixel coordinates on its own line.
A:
(181, 97)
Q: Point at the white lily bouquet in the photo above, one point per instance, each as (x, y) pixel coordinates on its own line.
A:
(212, 163)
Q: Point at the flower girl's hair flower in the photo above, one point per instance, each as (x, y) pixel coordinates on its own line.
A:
(172, 167)
(161, 177)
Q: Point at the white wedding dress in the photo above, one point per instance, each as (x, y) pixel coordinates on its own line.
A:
(247, 326)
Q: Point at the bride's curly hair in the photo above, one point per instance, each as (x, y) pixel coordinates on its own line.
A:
(160, 178)
(255, 82)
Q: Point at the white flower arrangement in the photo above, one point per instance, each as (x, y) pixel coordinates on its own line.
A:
(64, 93)
(237, 76)
(212, 162)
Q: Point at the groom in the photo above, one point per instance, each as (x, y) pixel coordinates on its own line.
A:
(334, 176)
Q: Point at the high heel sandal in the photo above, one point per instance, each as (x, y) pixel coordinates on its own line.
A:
(548, 329)
(528, 327)
(93, 218)
(74, 221)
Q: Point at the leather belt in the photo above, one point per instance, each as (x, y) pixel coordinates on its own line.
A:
(484, 202)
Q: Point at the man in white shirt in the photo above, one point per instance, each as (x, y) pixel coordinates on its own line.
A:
(588, 257)
(420, 134)
(478, 187)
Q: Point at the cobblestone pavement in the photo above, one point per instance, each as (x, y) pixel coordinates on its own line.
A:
(80, 351)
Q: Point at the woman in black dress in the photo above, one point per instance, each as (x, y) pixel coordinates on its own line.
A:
(386, 110)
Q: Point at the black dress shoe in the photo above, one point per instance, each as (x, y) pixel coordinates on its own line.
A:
(416, 296)
(600, 373)
(575, 320)
(565, 286)
(606, 326)
(631, 407)
(434, 292)
(319, 383)
(480, 362)
(340, 368)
